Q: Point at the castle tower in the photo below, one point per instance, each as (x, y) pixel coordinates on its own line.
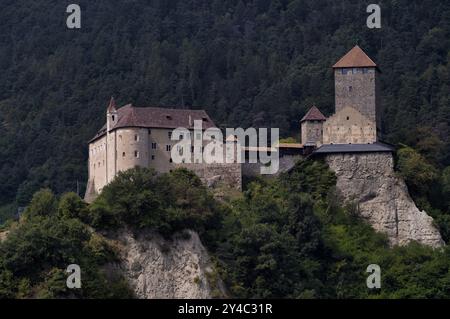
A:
(111, 142)
(111, 115)
(312, 127)
(355, 84)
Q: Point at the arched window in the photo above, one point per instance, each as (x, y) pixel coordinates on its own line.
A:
(123, 154)
(136, 154)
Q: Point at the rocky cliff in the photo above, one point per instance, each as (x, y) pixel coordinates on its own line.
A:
(382, 197)
(159, 268)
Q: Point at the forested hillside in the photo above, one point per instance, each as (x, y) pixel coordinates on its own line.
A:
(248, 63)
(282, 238)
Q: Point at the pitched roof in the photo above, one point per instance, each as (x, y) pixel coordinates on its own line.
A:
(157, 117)
(313, 114)
(355, 58)
(354, 148)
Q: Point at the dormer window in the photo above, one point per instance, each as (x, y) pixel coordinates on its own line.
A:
(204, 119)
(168, 117)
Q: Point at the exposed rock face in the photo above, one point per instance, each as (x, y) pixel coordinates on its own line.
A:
(3, 235)
(157, 268)
(383, 199)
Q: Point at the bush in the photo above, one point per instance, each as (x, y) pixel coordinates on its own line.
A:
(165, 203)
(37, 251)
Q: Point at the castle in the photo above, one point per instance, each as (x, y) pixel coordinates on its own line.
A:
(141, 136)
(348, 140)
(356, 116)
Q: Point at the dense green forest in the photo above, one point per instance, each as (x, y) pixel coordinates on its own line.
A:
(281, 238)
(248, 63)
(254, 63)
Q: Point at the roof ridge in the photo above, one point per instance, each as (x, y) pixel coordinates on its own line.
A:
(356, 57)
(313, 114)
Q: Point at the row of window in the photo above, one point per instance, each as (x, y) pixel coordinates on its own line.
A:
(137, 139)
(98, 148)
(354, 70)
(169, 135)
(99, 164)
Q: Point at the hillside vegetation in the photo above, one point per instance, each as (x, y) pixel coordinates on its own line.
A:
(282, 238)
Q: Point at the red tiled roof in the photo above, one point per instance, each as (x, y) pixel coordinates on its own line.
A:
(314, 114)
(157, 117)
(355, 58)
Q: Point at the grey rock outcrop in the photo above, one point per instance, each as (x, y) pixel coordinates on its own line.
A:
(382, 197)
(159, 268)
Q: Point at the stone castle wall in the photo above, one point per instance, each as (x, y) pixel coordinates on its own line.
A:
(286, 162)
(312, 132)
(348, 126)
(131, 147)
(356, 89)
(217, 174)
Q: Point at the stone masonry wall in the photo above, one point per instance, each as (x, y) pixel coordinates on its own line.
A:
(217, 173)
(358, 90)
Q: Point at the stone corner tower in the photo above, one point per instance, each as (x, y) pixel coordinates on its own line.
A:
(312, 127)
(356, 77)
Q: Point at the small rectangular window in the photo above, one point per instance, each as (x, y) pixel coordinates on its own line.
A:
(168, 148)
(149, 132)
(154, 146)
(170, 134)
(153, 157)
(136, 154)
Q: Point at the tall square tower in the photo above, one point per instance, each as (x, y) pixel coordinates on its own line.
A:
(356, 77)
